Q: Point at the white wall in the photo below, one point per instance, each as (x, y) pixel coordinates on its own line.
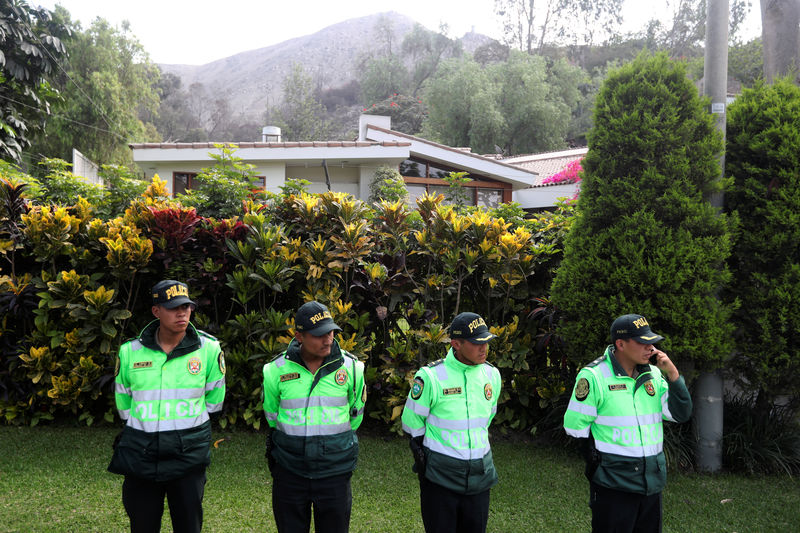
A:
(352, 179)
(84, 168)
(538, 197)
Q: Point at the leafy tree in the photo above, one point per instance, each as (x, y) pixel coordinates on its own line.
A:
(518, 106)
(780, 32)
(746, 62)
(462, 106)
(30, 48)
(491, 52)
(645, 238)
(174, 119)
(684, 33)
(383, 72)
(528, 25)
(763, 160)
(381, 77)
(301, 116)
(107, 83)
(388, 71)
(426, 50)
(596, 19)
(536, 102)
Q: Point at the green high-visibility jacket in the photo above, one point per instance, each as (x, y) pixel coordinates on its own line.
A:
(452, 405)
(165, 401)
(624, 416)
(315, 416)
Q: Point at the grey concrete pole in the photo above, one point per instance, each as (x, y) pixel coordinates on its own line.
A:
(709, 386)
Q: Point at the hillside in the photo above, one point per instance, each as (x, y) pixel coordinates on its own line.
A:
(252, 80)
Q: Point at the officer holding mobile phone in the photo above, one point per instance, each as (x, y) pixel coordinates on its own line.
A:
(617, 406)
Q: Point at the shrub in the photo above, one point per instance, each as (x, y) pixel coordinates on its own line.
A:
(60, 186)
(390, 275)
(646, 239)
(387, 184)
(763, 160)
(221, 190)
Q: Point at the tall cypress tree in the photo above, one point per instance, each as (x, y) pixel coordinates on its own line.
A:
(763, 159)
(646, 239)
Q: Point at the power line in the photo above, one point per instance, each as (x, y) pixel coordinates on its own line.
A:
(62, 117)
(58, 64)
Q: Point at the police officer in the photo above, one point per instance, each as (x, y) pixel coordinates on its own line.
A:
(617, 406)
(314, 395)
(447, 414)
(168, 380)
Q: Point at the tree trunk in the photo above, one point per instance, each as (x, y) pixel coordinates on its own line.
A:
(780, 33)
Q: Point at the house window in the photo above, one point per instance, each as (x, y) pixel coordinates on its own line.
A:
(489, 197)
(424, 176)
(259, 184)
(413, 169)
(438, 172)
(182, 182)
(438, 189)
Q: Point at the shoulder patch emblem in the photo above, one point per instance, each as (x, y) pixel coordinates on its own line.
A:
(194, 365)
(487, 391)
(618, 386)
(290, 376)
(221, 361)
(648, 386)
(452, 390)
(116, 367)
(582, 389)
(434, 363)
(142, 364)
(416, 388)
(364, 393)
(341, 376)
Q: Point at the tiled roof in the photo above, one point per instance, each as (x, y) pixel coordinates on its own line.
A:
(241, 145)
(547, 164)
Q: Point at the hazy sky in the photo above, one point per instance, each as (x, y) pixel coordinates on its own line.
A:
(200, 31)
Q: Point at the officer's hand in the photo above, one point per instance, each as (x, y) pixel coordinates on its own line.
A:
(419, 456)
(665, 364)
(268, 451)
(116, 441)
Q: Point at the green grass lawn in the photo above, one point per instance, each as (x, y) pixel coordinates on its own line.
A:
(55, 479)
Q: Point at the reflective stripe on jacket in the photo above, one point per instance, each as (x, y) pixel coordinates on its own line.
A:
(315, 416)
(452, 405)
(165, 401)
(625, 417)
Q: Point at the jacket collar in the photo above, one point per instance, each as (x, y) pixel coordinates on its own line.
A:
(293, 354)
(451, 361)
(617, 369)
(189, 343)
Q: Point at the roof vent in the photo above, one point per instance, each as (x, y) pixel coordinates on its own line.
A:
(270, 134)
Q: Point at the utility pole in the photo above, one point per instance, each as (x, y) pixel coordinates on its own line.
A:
(709, 387)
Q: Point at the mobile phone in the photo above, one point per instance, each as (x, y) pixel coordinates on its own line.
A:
(653, 359)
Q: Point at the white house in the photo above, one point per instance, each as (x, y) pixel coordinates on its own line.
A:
(349, 165)
(540, 195)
